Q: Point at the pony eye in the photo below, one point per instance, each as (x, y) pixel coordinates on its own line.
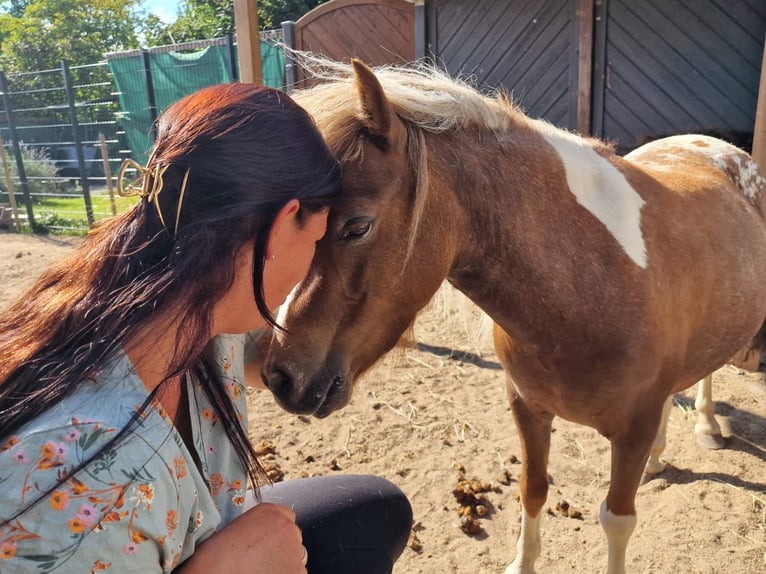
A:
(356, 229)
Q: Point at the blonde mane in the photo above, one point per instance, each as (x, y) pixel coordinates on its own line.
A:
(419, 94)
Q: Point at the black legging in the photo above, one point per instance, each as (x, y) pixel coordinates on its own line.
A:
(351, 524)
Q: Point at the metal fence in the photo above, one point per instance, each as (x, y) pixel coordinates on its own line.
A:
(64, 134)
(61, 144)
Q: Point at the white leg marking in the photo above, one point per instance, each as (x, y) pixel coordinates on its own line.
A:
(618, 530)
(654, 464)
(527, 546)
(707, 430)
(601, 189)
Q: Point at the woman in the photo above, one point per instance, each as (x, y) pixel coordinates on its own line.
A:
(123, 441)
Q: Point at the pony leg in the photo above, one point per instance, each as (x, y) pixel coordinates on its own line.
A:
(707, 430)
(654, 465)
(630, 452)
(535, 436)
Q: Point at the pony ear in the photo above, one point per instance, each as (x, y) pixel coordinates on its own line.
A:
(376, 113)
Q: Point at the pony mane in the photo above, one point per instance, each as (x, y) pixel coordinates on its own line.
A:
(419, 94)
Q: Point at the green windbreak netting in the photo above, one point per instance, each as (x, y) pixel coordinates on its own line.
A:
(173, 76)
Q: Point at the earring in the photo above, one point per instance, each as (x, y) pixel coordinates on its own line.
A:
(273, 257)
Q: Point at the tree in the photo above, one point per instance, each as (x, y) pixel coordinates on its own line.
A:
(48, 31)
(271, 13)
(203, 19)
(198, 20)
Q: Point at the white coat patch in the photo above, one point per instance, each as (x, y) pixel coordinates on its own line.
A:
(726, 157)
(601, 189)
(282, 312)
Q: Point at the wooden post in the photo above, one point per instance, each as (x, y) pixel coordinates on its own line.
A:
(421, 30)
(291, 67)
(107, 172)
(248, 41)
(759, 130)
(72, 104)
(9, 185)
(584, 65)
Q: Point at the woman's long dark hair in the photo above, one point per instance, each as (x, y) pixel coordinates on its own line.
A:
(249, 150)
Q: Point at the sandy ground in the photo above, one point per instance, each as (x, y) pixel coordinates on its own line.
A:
(438, 412)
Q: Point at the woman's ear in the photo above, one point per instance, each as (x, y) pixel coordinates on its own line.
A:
(287, 216)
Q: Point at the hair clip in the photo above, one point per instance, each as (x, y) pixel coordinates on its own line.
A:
(148, 186)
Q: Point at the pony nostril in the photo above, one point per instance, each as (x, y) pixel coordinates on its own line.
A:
(278, 381)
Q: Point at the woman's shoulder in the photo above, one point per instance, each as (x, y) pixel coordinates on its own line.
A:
(71, 498)
(69, 491)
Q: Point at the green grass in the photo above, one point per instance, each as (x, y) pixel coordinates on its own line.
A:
(67, 215)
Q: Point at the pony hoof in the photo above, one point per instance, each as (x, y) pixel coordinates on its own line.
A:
(515, 568)
(711, 441)
(646, 478)
(653, 468)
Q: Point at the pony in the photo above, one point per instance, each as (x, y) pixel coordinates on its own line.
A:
(612, 282)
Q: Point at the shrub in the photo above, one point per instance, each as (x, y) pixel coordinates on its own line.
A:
(41, 175)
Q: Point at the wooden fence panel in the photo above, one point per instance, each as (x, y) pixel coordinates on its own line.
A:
(375, 31)
(527, 47)
(673, 66)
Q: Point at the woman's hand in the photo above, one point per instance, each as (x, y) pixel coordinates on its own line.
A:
(264, 540)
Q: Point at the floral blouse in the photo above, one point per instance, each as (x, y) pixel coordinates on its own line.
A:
(141, 506)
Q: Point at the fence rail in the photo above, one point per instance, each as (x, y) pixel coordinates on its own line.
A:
(64, 132)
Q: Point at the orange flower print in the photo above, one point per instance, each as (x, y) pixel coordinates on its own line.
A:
(235, 391)
(48, 451)
(78, 487)
(138, 536)
(171, 520)
(7, 550)
(99, 566)
(209, 416)
(10, 443)
(146, 494)
(199, 519)
(180, 465)
(235, 485)
(238, 500)
(59, 500)
(121, 497)
(160, 409)
(226, 365)
(113, 516)
(216, 483)
(76, 525)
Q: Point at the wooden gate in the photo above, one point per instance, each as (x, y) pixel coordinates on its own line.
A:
(673, 66)
(623, 70)
(375, 31)
(527, 47)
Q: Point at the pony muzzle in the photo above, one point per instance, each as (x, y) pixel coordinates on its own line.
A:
(320, 396)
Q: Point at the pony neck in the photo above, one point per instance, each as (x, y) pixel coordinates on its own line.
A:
(522, 227)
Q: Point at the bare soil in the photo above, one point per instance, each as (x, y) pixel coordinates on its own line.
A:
(434, 419)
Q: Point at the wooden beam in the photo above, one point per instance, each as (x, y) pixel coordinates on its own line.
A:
(248, 41)
(584, 65)
(759, 130)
